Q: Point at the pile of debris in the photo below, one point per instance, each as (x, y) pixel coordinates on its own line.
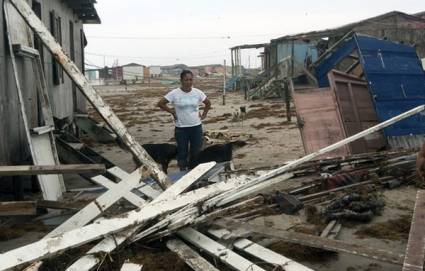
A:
(214, 221)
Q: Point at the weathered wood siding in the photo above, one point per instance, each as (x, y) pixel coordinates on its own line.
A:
(13, 144)
(13, 147)
(62, 101)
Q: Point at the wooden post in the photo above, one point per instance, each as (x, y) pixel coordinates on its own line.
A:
(224, 83)
(51, 169)
(233, 62)
(16, 208)
(287, 94)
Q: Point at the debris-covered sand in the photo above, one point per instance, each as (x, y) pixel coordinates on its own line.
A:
(271, 139)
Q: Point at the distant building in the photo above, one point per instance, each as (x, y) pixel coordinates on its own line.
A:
(146, 73)
(305, 48)
(92, 74)
(155, 71)
(132, 72)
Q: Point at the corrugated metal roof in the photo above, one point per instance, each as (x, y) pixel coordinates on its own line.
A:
(348, 27)
(85, 10)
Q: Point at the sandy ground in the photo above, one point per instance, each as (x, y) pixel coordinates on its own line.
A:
(271, 139)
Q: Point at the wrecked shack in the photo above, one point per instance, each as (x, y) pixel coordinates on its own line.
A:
(362, 82)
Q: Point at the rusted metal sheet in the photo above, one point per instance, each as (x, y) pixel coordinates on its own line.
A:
(318, 120)
(415, 251)
(356, 111)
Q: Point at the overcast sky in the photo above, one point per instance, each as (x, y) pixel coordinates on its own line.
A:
(196, 32)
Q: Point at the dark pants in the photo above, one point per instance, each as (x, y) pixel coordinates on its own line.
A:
(184, 137)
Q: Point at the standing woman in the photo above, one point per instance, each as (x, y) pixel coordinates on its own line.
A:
(187, 118)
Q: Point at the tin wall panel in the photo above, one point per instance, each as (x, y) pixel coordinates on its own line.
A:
(318, 119)
(396, 80)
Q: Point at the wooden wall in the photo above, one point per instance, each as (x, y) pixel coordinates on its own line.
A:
(13, 145)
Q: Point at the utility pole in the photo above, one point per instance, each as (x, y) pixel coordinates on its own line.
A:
(224, 83)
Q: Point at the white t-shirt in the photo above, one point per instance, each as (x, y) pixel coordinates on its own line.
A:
(186, 105)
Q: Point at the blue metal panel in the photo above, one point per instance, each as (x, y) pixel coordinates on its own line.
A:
(396, 80)
(330, 61)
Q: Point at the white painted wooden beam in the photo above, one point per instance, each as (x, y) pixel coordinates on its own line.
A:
(130, 196)
(260, 252)
(127, 266)
(99, 205)
(53, 245)
(218, 250)
(145, 189)
(190, 256)
(113, 241)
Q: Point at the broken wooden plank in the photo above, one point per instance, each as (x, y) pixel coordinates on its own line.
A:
(415, 251)
(110, 185)
(51, 246)
(249, 188)
(190, 256)
(18, 208)
(260, 252)
(127, 266)
(24, 51)
(331, 230)
(60, 205)
(317, 242)
(143, 188)
(99, 205)
(111, 242)
(225, 254)
(51, 169)
(89, 92)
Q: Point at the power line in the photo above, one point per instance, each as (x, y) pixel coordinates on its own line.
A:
(158, 38)
(221, 37)
(147, 57)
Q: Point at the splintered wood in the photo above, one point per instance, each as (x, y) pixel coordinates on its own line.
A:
(175, 211)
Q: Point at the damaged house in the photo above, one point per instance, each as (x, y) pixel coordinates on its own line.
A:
(291, 56)
(362, 82)
(204, 219)
(21, 104)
